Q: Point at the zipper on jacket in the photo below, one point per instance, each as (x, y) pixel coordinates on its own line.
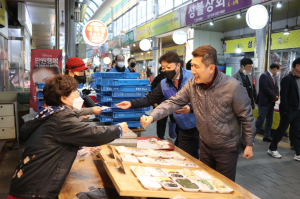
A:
(205, 92)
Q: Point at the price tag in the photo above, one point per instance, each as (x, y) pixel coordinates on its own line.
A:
(121, 165)
(111, 152)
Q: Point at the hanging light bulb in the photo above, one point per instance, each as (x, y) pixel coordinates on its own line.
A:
(239, 15)
(286, 30)
(141, 53)
(133, 44)
(238, 50)
(62, 24)
(279, 4)
(148, 51)
(76, 12)
(211, 23)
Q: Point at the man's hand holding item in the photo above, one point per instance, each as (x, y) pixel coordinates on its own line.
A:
(124, 105)
(248, 152)
(97, 110)
(146, 120)
(186, 109)
(124, 127)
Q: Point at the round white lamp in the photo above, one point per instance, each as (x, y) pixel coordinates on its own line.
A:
(257, 17)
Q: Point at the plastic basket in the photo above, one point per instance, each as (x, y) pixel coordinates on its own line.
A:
(109, 118)
(105, 98)
(127, 94)
(124, 88)
(122, 82)
(39, 94)
(40, 85)
(128, 114)
(104, 118)
(117, 75)
(40, 102)
(130, 124)
(109, 110)
(23, 98)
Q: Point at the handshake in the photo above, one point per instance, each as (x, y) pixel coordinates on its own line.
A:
(145, 120)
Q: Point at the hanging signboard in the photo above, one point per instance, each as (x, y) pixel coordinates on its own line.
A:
(95, 33)
(207, 9)
(177, 49)
(166, 23)
(45, 64)
(127, 39)
(113, 43)
(143, 32)
(2, 14)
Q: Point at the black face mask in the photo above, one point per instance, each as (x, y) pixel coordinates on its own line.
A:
(132, 65)
(170, 74)
(80, 79)
(163, 74)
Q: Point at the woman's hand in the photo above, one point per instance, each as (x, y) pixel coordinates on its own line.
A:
(84, 118)
(97, 110)
(124, 127)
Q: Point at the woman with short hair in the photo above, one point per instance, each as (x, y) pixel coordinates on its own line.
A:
(53, 138)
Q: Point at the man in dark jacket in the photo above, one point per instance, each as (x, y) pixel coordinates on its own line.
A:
(244, 76)
(177, 77)
(221, 105)
(267, 96)
(160, 124)
(289, 111)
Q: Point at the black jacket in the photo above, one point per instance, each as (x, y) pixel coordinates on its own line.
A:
(289, 97)
(155, 83)
(51, 146)
(267, 90)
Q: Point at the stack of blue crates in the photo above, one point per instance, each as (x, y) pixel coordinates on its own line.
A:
(113, 88)
(40, 95)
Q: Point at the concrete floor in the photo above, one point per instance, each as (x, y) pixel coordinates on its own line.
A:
(262, 175)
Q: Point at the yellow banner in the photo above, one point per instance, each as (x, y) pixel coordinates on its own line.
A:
(176, 49)
(2, 13)
(143, 32)
(149, 56)
(278, 41)
(165, 23)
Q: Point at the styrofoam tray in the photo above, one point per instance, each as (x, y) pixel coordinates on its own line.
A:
(153, 154)
(203, 187)
(145, 172)
(129, 158)
(186, 189)
(227, 189)
(173, 173)
(149, 182)
(139, 152)
(187, 173)
(123, 150)
(164, 181)
(156, 172)
(146, 160)
(203, 175)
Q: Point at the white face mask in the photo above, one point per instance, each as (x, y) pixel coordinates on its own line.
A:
(277, 74)
(121, 64)
(77, 103)
(244, 72)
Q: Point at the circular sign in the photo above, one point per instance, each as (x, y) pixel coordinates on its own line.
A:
(145, 44)
(257, 17)
(116, 51)
(106, 60)
(94, 33)
(180, 37)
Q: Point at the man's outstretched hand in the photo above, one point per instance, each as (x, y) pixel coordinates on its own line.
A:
(146, 120)
(124, 105)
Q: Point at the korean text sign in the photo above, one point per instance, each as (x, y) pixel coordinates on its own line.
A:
(45, 64)
(95, 33)
(206, 9)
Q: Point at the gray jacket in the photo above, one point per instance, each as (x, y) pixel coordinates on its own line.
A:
(219, 110)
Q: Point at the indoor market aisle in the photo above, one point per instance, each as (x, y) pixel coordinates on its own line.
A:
(262, 175)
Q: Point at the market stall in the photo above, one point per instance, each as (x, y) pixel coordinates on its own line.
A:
(144, 183)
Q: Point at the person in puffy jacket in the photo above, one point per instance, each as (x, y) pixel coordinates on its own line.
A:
(221, 105)
(53, 138)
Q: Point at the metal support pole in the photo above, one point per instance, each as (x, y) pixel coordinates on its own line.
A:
(269, 37)
(57, 34)
(67, 19)
(155, 56)
(70, 30)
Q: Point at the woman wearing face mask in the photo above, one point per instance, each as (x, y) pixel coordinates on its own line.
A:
(120, 67)
(53, 138)
(131, 64)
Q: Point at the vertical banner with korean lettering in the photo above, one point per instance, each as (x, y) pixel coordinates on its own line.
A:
(45, 64)
(205, 9)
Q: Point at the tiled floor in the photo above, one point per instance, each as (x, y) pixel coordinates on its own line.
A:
(262, 175)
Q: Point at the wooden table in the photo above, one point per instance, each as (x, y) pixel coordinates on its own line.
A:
(128, 185)
(83, 175)
(138, 131)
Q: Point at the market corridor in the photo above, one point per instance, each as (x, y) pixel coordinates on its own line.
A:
(263, 175)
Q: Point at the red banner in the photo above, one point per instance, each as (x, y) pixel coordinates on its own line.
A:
(104, 54)
(45, 63)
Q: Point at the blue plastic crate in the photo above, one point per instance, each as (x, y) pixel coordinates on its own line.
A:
(39, 94)
(80, 86)
(122, 82)
(116, 75)
(128, 114)
(40, 102)
(109, 110)
(105, 98)
(130, 124)
(127, 94)
(104, 118)
(124, 88)
(40, 85)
